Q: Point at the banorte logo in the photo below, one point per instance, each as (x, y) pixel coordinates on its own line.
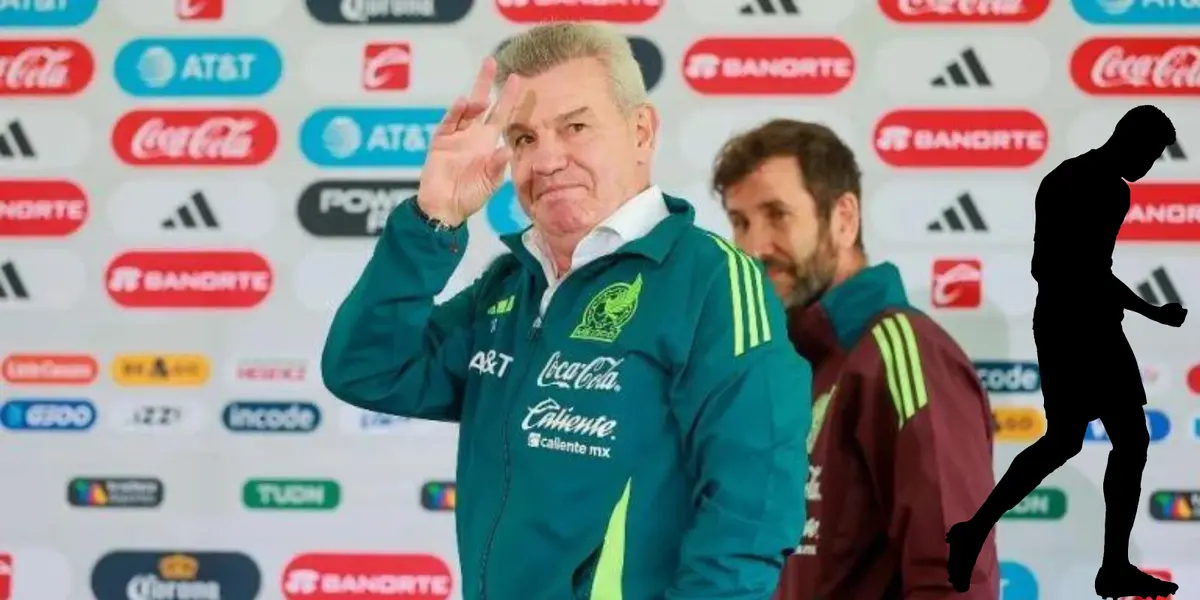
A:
(49, 369)
(44, 67)
(357, 576)
(536, 11)
(1137, 66)
(195, 138)
(1162, 212)
(966, 138)
(768, 66)
(41, 208)
(964, 11)
(189, 279)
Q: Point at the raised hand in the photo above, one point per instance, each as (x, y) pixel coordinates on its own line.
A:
(464, 166)
(1171, 314)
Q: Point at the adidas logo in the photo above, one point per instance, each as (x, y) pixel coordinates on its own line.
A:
(11, 286)
(967, 71)
(194, 214)
(770, 7)
(952, 218)
(14, 143)
(1159, 289)
(1173, 152)
(502, 307)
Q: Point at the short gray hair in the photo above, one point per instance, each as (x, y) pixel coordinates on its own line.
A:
(549, 45)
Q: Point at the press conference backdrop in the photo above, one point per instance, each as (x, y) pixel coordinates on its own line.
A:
(189, 189)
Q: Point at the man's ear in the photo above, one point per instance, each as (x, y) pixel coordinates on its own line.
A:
(646, 125)
(845, 222)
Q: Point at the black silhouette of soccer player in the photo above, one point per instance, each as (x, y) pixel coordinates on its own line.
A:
(1088, 369)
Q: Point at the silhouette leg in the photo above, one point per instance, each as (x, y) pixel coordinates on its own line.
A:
(1063, 440)
(1126, 428)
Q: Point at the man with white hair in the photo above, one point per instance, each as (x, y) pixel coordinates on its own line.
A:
(613, 444)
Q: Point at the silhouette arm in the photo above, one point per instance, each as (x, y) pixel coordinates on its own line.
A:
(1130, 300)
(927, 441)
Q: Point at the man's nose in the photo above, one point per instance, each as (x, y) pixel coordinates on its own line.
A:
(548, 155)
(754, 241)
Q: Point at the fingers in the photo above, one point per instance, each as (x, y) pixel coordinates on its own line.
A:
(497, 163)
(506, 103)
(483, 81)
(454, 114)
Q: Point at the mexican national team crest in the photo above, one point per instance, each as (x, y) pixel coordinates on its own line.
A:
(609, 311)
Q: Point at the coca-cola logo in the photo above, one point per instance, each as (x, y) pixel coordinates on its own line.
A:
(964, 11)
(600, 374)
(201, 137)
(1137, 66)
(44, 67)
(537, 11)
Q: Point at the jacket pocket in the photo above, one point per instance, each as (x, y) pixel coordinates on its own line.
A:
(581, 579)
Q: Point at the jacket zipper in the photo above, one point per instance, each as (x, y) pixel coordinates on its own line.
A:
(535, 335)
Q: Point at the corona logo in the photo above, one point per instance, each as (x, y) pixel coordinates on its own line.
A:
(178, 567)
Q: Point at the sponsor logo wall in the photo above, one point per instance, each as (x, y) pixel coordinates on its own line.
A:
(189, 188)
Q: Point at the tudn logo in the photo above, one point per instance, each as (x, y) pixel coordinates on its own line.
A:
(957, 73)
(11, 285)
(194, 214)
(14, 143)
(952, 219)
(1166, 292)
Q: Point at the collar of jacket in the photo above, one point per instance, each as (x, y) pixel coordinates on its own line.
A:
(654, 245)
(836, 321)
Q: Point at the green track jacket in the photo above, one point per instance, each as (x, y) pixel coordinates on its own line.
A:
(644, 439)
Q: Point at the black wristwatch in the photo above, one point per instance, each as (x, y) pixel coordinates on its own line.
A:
(436, 224)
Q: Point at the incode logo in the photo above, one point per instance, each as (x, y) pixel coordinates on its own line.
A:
(272, 417)
(1006, 377)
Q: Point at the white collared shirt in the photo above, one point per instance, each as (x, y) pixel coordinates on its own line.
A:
(634, 219)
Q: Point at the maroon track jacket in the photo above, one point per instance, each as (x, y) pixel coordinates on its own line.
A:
(900, 449)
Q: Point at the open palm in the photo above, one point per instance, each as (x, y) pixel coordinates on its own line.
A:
(464, 166)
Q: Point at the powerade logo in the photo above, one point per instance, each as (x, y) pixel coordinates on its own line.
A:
(504, 212)
(46, 13)
(1157, 424)
(48, 415)
(1138, 12)
(369, 137)
(166, 67)
(1007, 377)
(1017, 582)
(271, 417)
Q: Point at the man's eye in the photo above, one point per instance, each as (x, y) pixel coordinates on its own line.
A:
(577, 127)
(522, 139)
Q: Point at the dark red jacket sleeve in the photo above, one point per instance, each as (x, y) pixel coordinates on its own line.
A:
(928, 441)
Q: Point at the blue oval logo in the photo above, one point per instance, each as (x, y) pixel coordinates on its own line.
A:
(1137, 12)
(271, 417)
(1017, 582)
(369, 137)
(48, 415)
(61, 13)
(1157, 423)
(171, 67)
(504, 212)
